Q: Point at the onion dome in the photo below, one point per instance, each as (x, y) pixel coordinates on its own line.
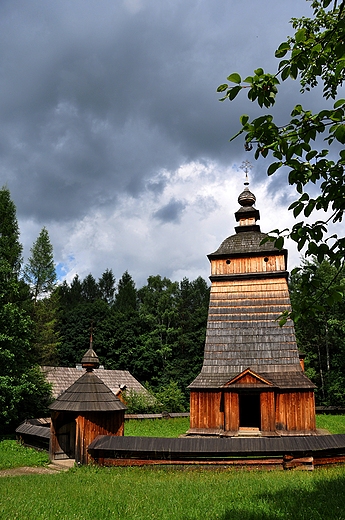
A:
(247, 215)
(246, 198)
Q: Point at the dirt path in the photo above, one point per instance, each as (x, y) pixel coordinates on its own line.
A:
(40, 470)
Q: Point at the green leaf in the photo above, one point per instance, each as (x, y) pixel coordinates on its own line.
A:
(293, 71)
(310, 207)
(297, 110)
(223, 87)
(279, 243)
(300, 35)
(244, 119)
(297, 210)
(274, 167)
(304, 197)
(259, 72)
(233, 92)
(282, 50)
(340, 134)
(234, 78)
(339, 103)
(285, 72)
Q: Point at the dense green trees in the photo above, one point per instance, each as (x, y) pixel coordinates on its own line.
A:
(156, 332)
(23, 391)
(320, 334)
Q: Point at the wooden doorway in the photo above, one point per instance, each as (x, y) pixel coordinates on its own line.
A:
(250, 415)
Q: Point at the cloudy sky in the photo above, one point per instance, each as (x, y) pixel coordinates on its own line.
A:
(112, 135)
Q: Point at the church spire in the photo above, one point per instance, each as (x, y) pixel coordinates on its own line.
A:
(247, 215)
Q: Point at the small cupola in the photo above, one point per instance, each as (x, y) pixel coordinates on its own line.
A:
(247, 215)
(90, 359)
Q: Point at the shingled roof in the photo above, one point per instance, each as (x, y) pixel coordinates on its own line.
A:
(87, 394)
(63, 377)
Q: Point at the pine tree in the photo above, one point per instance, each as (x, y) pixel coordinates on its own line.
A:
(106, 286)
(19, 379)
(126, 298)
(40, 272)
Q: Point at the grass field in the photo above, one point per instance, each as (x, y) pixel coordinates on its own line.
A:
(179, 426)
(92, 493)
(157, 427)
(13, 455)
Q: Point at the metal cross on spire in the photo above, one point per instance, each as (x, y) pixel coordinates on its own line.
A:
(246, 167)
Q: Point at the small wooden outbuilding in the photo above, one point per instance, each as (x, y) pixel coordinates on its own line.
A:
(252, 380)
(86, 409)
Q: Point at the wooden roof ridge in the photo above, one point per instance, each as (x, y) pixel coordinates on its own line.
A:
(288, 377)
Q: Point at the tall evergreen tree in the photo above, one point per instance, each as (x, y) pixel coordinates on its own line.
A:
(40, 272)
(321, 336)
(126, 297)
(106, 286)
(19, 379)
(10, 247)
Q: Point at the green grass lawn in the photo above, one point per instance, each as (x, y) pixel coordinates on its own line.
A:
(92, 493)
(332, 423)
(179, 426)
(14, 455)
(157, 427)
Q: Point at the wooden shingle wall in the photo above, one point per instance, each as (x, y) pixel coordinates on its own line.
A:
(242, 329)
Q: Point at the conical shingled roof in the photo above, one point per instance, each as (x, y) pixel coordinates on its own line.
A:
(88, 393)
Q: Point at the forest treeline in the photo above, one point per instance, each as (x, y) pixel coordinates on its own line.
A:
(157, 331)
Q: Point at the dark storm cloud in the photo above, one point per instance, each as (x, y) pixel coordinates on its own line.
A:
(171, 212)
(96, 98)
(111, 125)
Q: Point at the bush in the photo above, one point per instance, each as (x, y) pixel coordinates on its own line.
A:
(166, 399)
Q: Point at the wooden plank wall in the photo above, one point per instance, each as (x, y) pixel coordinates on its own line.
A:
(288, 411)
(295, 411)
(248, 265)
(267, 409)
(206, 410)
(90, 425)
(231, 411)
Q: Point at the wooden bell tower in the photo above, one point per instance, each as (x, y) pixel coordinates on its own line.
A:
(252, 380)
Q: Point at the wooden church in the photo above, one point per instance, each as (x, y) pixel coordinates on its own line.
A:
(252, 380)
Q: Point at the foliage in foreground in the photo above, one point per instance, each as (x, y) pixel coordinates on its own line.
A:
(313, 55)
(141, 493)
